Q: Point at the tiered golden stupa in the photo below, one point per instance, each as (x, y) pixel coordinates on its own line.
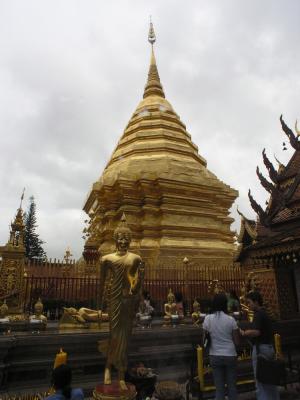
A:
(174, 205)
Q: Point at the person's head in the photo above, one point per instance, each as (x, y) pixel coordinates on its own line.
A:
(254, 300)
(233, 294)
(219, 302)
(62, 378)
(178, 297)
(146, 295)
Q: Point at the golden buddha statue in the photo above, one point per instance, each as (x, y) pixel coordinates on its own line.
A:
(82, 318)
(196, 314)
(170, 309)
(126, 272)
(4, 312)
(38, 313)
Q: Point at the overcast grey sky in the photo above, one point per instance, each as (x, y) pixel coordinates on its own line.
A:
(72, 73)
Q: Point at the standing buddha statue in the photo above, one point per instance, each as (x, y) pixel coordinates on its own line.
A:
(126, 273)
(4, 313)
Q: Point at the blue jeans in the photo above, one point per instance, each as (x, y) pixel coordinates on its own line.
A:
(224, 372)
(263, 391)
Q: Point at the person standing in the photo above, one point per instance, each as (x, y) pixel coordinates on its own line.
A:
(233, 302)
(61, 381)
(262, 337)
(224, 335)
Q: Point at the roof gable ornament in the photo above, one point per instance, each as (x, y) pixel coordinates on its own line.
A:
(290, 134)
(273, 174)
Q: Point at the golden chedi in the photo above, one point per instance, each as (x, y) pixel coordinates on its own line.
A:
(12, 268)
(174, 205)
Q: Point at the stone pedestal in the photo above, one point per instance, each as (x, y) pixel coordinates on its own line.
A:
(113, 392)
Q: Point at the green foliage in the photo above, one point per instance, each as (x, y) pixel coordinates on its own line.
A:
(33, 244)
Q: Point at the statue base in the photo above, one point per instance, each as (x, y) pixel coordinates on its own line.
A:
(114, 392)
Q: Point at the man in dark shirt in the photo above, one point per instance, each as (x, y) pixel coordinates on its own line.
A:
(262, 323)
(262, 336)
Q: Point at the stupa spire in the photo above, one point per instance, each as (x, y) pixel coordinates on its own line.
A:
(153, 86)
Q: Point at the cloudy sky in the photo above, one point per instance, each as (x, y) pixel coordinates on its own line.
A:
(72, 73)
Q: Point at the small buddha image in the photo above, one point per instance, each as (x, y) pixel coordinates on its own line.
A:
(170, 308)
(4, 313)
(196, 314)
(38, 313)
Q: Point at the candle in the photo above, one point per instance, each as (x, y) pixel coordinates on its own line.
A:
(200, 367)
(277, 342)
(61, 358)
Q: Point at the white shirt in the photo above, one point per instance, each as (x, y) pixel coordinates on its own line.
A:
(220, 327)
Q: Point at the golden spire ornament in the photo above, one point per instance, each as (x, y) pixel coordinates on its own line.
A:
(151, 34)
(153, 86)
(22, 197)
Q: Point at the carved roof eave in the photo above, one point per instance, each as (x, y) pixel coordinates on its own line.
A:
(270, 251)
(247, 226)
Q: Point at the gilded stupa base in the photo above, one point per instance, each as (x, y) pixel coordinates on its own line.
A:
(114, 392)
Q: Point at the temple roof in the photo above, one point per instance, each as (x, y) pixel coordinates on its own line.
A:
(292, 168)
(279, 222)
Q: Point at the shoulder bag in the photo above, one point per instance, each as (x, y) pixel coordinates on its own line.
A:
(270, 371)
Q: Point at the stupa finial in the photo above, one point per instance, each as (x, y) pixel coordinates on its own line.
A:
(153, 86)
(22, 198)
(151, 34)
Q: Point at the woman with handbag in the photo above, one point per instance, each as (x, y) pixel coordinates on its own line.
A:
(224, 335)
(262, 338)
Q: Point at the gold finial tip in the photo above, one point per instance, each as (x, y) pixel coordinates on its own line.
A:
(123, 218)
(151, 34)
(22, 197)
(185, 260)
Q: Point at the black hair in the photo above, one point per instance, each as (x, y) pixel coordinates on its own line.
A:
(219, 303)
(146, 295)
(61, 380)
(178, 297)
(233, 295)
(256, 297)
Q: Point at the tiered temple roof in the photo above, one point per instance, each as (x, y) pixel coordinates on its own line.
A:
(278, 224)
